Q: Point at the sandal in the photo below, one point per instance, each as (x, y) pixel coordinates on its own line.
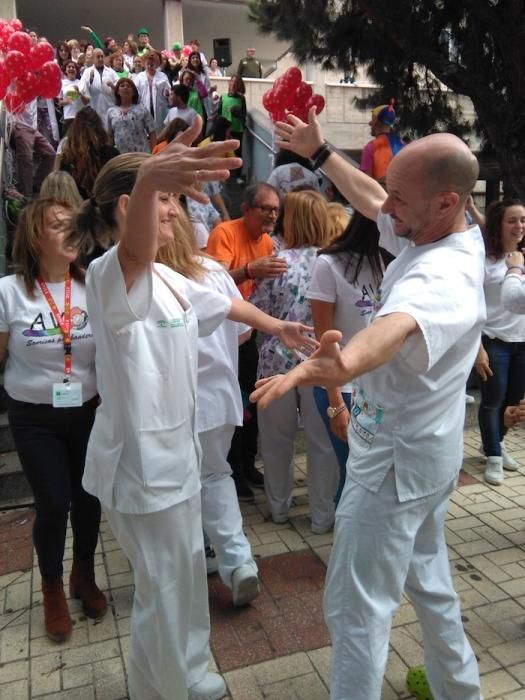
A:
(417, 683)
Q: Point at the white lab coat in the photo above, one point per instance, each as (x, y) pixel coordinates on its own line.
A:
(160, 89)
(96, 86)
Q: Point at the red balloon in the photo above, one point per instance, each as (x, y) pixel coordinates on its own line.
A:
(5, 81)
(50, 70)
(40, 54)
(27, 86)
(278, 115)
(50, 89)
(318, 102)
(283, 96)
(16, 64)
(293, 77)
(20, 41)
(14, 103)
(303, 94)
(5, 32)
(268, 100)
(50, 80)
(16, 24)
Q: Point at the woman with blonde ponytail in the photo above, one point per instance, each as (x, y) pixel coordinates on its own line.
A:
(143, 456)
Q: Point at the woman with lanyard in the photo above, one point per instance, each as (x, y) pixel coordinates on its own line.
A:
(52, 396)
(144, 456)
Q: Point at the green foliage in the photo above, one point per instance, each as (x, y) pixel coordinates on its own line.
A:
(418, 51)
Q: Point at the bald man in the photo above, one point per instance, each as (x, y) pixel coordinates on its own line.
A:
(409, 369)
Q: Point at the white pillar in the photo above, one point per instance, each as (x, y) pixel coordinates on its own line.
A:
(173, 22)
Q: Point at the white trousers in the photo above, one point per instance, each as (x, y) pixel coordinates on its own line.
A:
(170, 624)
(381, 547)
(278, 426)
(221, 515)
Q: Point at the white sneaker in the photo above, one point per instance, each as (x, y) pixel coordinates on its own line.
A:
(469, 399)
(280, 518)
(494, 471)
(509, 463)
(212, 687)
(245, 585)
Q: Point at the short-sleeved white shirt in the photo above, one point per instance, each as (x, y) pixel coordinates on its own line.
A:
(143, 454)
(409, 413)
(188, 114)
(501, 323)
(513, 293)
(70, 110)
(353, 303)
(219, 399)
(36, 350)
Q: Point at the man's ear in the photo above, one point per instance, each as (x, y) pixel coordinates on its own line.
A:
(448, 201)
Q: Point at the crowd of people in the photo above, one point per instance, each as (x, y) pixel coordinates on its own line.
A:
(137, 382)
(135, 91)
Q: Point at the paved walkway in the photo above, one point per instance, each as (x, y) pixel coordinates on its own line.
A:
(278, 648)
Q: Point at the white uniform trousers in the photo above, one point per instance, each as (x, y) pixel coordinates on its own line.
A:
(381, 547)
(221, 515)
(278, 426)
(170, 624)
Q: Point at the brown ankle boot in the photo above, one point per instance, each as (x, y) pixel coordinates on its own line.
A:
(82, 585)
(56, 613)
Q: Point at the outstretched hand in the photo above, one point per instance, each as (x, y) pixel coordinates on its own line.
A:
(294, 135)
(295, 336)
(325, 367)
(179, 168)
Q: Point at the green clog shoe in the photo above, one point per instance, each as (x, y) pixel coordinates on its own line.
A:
(417, 683)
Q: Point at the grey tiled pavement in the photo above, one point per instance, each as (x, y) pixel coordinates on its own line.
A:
(486, 536)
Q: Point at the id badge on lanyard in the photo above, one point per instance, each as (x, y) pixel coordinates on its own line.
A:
(66, 394)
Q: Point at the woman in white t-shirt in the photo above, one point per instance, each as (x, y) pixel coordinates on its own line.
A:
(501, 357)
(69, 97)
(345, 282)
(52, 397)
(144, 455)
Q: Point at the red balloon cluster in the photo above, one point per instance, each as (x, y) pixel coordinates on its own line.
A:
(26, 71)
(291, 95)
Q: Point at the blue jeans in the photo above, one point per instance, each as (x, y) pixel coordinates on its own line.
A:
(340, 447)
(504, 388)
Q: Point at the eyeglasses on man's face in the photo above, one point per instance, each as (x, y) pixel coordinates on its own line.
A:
(266, 209)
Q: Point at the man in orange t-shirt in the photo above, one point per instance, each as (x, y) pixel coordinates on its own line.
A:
(244, 247)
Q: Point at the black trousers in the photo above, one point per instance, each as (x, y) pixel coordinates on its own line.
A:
(243, 448)
(51, 444)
